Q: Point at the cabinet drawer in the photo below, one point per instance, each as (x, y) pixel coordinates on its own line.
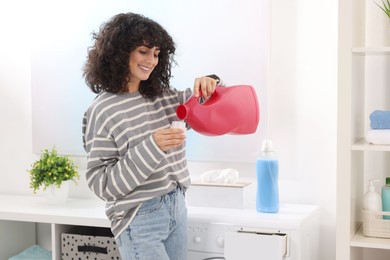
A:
(252, 246)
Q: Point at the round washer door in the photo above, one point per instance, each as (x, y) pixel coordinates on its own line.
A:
(194, 255)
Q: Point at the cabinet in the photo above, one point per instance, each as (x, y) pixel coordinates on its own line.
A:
(24, 211)
(359, 161)
(297, 226)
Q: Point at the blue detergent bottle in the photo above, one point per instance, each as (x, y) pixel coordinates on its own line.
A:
(267, 171)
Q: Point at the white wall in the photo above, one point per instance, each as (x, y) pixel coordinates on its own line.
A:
(15, 99)
(302, 106)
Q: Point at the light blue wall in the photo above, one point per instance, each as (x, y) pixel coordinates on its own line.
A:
(222, 37)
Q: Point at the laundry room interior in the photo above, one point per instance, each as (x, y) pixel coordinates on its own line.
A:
(300, 57)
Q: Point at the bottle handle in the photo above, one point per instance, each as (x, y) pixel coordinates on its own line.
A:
(200, 98)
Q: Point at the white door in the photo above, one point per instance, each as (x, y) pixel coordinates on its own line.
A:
(255, 246)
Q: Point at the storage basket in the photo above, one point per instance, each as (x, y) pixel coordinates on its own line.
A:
(88, 243)
(374, 225)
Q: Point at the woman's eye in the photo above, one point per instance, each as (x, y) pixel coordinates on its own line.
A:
(142, 52)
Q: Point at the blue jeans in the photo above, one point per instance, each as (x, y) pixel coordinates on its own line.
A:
(158, 231)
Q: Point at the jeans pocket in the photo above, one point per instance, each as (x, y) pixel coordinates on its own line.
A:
(118, 242)
(150, 206)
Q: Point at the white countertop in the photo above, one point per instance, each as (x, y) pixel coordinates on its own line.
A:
(86, 212)
(90, 212)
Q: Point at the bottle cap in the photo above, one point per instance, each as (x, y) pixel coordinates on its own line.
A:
(388, 181)
(267, 146)
(371, 186)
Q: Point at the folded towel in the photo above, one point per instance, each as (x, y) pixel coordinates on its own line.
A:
(381, 136)
(380, 119)
(33, 252)
(228, 175)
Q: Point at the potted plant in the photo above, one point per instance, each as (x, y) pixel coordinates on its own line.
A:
(386, 7)
(53, 171)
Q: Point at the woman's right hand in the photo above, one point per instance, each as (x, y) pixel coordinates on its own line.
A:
(204, 85)
(169, 138)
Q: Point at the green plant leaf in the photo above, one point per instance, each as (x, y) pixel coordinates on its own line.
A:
(385, 8)
(52, 169)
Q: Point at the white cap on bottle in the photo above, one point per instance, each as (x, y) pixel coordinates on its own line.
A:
(267, 146)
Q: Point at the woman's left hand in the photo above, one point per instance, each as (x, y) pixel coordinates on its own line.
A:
(204, 86)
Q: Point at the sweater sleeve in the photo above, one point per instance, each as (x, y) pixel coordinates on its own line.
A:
(111, 176)
(184, 95)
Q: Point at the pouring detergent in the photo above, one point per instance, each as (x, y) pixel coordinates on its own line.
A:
(229, 110)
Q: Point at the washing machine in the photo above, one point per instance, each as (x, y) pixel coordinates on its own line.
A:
(237, 234)
(206, 239)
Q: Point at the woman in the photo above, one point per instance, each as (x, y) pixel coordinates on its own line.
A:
(136, 162)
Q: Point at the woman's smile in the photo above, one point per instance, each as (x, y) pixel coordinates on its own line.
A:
(144, 68)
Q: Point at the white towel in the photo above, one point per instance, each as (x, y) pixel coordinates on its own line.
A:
(378, 136)
(228, 175)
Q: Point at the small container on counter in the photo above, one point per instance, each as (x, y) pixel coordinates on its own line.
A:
(267, 168)
(386, 197)
(372, 199)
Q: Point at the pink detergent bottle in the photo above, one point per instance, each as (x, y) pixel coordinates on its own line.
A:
(229, 110)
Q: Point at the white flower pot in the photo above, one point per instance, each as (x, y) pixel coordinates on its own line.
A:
(56, 195)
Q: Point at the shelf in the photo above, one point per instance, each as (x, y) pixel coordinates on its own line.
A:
(371, 50)
(359, 240)
(85, 212)
(362, 145)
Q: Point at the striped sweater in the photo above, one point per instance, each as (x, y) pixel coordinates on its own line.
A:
(125, 167)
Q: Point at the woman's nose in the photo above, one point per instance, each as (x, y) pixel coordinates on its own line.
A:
(152, 58)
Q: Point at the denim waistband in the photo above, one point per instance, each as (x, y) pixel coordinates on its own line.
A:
(176, 189)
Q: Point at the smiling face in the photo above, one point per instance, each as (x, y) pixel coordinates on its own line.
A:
(141, 64)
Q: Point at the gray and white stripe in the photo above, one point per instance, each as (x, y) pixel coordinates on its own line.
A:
(125, 166)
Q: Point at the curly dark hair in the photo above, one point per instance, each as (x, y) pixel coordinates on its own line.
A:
(107, 65)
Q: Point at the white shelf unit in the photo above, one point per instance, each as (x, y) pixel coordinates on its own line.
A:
(361, 241)
(363, 145)
(371, 50)
(369, 91)
(21, 210)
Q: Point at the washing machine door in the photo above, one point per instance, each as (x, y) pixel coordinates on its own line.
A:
(195, 255)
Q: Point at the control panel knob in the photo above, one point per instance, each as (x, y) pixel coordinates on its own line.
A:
(197, 239)
(220, 241)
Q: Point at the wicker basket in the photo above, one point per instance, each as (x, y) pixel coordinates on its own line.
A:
(374, 224)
